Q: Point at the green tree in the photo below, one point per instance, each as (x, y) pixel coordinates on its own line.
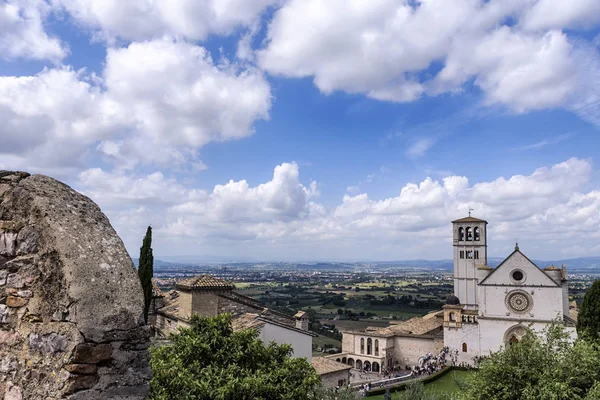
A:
(211, 361)
(547, 367)
(146, 270)
(588, 320)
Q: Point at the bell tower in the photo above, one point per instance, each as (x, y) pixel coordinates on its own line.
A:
(470, 251)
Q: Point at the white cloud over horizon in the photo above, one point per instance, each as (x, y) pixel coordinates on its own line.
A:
(285, 216)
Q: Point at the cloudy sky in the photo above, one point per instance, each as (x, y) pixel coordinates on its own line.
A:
(311, 129)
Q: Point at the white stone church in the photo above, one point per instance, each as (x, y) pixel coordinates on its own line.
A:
(490, 308)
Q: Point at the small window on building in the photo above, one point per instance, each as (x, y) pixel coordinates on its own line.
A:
(470, 254)
(341, 383)
(362, 345)
(462, 254)
(477, 254)
(517, 275)
(376, 347)
(369, 346)
(464, 347)
(476, 233)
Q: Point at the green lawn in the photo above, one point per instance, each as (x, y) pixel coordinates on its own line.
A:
(321, 340)
(445, 384)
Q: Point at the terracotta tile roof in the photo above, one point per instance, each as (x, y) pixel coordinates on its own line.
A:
(469, 219)
(326, 366)
(417, 326)
(552, 268)
(247, 321)
(204, 282)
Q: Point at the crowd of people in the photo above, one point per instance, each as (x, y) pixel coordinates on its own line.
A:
(428, 364)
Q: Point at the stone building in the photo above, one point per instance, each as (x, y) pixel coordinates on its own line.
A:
(332, 373)
(401, 343)
(71, 304)
(206, 295)
(490, 308)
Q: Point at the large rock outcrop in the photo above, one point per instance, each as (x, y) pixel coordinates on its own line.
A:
(71, 324)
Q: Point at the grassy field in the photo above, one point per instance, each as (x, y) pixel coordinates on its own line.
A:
(445, 384)
(321, 340)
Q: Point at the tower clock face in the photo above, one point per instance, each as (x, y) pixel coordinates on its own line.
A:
(519, 301)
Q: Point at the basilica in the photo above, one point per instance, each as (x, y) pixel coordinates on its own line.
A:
(490, 308)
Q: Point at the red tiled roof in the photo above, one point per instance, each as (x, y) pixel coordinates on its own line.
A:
(469, 219)
(204, 282)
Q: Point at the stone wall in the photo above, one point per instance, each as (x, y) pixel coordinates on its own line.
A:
(71, 323)
(333, 379)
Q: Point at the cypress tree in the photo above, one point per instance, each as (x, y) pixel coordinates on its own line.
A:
(146, 270)
(588, 319)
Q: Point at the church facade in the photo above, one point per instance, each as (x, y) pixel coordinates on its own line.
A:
(494, 307)
(490, 308)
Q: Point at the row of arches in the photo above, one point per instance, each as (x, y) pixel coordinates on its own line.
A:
(359, 364)
(465, 318)
(469, 233)
(369, 346)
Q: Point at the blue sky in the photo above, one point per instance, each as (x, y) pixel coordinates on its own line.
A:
(304, 130)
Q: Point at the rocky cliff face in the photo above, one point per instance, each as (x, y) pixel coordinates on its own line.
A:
(71, 324)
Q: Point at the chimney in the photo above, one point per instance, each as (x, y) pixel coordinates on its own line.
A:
(301, 320)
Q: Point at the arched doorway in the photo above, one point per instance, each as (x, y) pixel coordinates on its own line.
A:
(514, 334)
(338, 360)
(367, 366)
(375, 367)
(343, 360)
(359, 364)
(351, 362)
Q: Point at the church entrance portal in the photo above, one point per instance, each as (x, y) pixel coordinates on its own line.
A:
(514, 335)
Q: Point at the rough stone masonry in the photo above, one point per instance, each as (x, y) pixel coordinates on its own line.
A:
(71, 324)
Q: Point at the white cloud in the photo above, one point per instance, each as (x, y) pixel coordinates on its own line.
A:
(547, 142)
(280, 219)
(420, 147)
(156, 102)
(283, 198)
(138, 20)
(549, 14)
(384, 49)
(22, 32)
(176, 96)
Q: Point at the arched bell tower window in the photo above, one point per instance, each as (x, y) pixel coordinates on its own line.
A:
(476, 233)
(461, 234)
(464, 347)
(469, 232)
(451, 317)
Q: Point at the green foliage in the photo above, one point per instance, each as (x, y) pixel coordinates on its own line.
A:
(588, 320)
(211, 361)
(548, 367)
(146, 270)
(346, 393)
